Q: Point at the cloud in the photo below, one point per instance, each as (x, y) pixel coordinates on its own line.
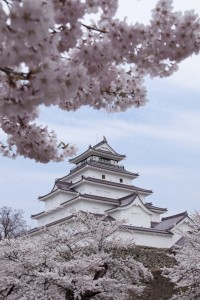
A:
(187, 77)
(181, 127)
(163, 172)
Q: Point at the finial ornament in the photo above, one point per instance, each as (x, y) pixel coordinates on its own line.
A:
(104, 138)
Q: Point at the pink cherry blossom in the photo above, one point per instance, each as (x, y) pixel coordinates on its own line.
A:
(80, 260)
(51, 55)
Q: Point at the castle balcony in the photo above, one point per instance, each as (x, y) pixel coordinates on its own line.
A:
(98, 161)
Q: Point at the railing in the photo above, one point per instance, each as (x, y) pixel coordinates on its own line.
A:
(97, 161)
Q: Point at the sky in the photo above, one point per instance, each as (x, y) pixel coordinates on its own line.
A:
(161, 140)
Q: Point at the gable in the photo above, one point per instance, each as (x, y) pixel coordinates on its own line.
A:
(135, 201)
(135, 215)
(55, 199)
(183, 225)
(105, 147)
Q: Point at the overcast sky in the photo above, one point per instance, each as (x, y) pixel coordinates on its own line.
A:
(161, 140)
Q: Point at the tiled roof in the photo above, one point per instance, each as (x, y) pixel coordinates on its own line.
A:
(116, 201)
(103, 166)
(60, 186)
(152, 207)
(150, 230)
(169, 222)
(183, 214)
(104, 141)
(112, 183)
(97, 152)
(124, 201)
(127, 200)
(41, 213)
(92, 197)
(108, 152)
(181, 242)
(50, 224)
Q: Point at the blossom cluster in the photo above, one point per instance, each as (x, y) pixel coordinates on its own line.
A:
(51, 55)
(80, 260)
(186, 272)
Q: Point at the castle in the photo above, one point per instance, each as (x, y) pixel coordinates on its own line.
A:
(99, 184)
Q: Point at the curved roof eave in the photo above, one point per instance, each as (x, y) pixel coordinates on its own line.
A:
(98, 165)
(90, 198)
(43, 198)
(92, 151)
(147, 230)
(114, 184)
(131, 203)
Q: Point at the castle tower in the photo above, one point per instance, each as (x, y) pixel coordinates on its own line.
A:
(100, 184)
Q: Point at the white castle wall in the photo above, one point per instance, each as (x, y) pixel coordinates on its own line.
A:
(155, 218)
(148, 239)
(139, 238)
(56, 199)
(67, 210)
(101, 190)
(94, 173)
(134, 216)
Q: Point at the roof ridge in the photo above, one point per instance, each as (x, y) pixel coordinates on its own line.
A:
(128, 196)
(116, 184)
(98, 197)
(104, 151)
(104, 141)
(174, 216)
(154, 207)
(150, 229)
(97, 164)
(115, 154)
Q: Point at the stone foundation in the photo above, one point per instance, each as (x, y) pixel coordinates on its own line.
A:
(160, 288)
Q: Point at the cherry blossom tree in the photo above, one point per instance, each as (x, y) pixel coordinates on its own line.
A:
(79, 261)
(50, 54)
(12, 222)
(186, 273)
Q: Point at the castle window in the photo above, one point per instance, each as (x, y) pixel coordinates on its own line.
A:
(121, 180)
(103, 176)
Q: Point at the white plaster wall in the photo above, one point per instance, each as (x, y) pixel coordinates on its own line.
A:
(134, 215)
(104, 191)
(90, 206)
(155, 217)
(143, 198)
(90, 172)
(56, 199)
(65, 211)
(148, 239)
(113, 177)
(46, 219)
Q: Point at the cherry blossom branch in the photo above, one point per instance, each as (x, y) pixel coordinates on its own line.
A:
(9, 71)
(91, 28)
(71, 64)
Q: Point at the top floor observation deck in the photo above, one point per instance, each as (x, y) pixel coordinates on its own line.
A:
(94, 160)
